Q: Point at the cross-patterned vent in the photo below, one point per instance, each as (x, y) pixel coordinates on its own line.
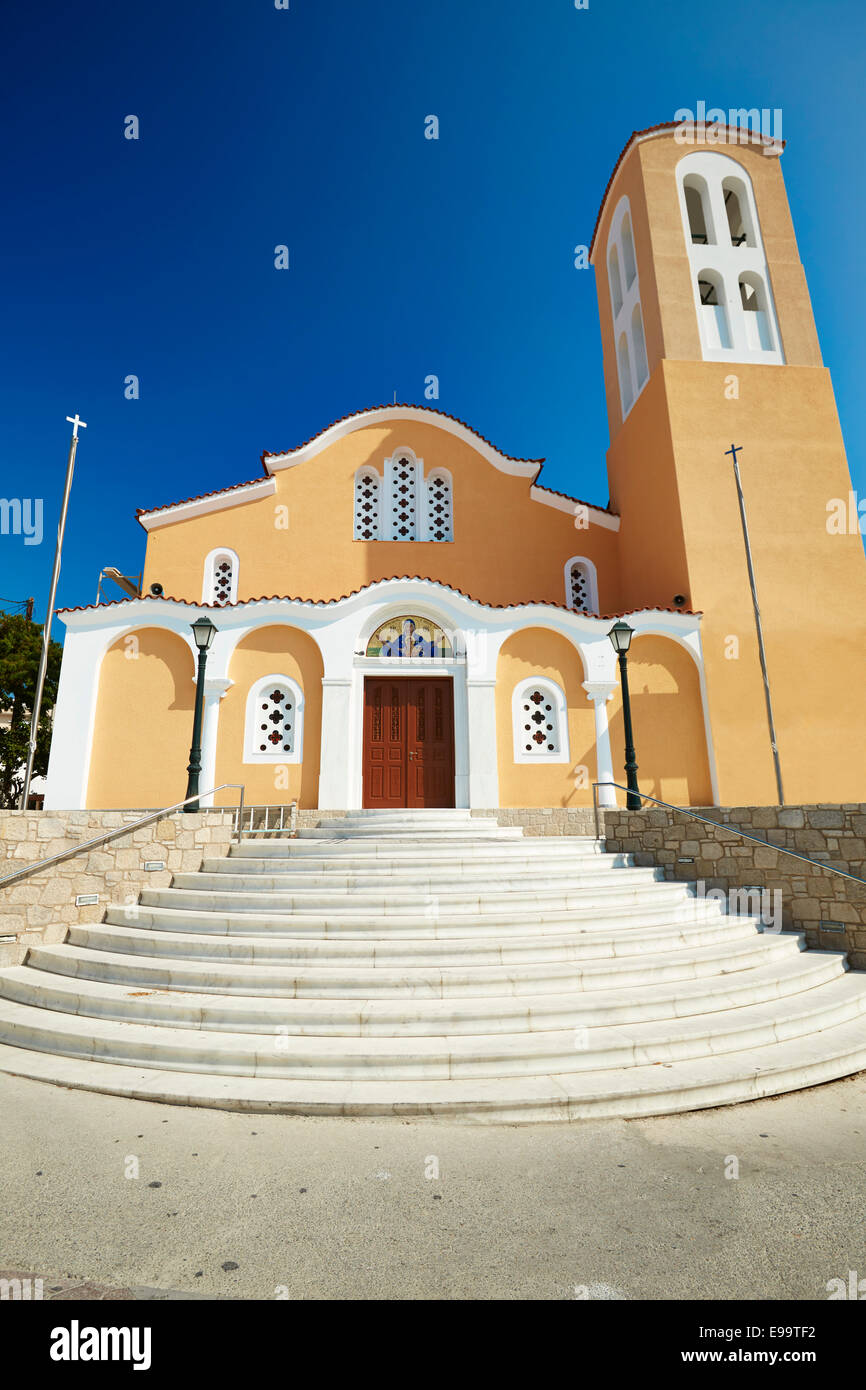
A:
(222, 580)
(439, 508)
(368, 521)
(275, 722)
(404, 500)
(539, 723)
(579, 586)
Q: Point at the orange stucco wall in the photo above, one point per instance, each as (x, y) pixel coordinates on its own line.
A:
(539, 652)
(274, 650)
(507, 548)
(143, 722)
(668, 724)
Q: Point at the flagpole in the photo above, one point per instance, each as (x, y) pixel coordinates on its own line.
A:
(74, 421)
(733, 451)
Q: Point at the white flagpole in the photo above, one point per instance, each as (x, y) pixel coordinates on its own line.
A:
(74, 421)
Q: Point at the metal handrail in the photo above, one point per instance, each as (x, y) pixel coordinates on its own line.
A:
(720, 825)
(126, 830)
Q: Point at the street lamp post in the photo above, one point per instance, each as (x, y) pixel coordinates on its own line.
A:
(620, 636)
(204, 632)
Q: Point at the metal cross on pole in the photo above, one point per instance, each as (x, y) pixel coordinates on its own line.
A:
(75, 421)
(733, 451)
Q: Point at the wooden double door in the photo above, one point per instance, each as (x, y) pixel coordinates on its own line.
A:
(408, 742)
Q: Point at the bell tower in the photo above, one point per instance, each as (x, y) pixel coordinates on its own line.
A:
(709, 341)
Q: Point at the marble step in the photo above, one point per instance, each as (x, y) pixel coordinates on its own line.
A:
(465, 851)
(358, 872)
(427, 919)
(523, 979)
(268, 877)
(438, 1058)
(449, 901)
(59, 991)
(491, 949)
(628, 1092)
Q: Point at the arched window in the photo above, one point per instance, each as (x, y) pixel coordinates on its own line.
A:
(715, 329)
(368, 505)
(274, 726)
(753, 298)
(540, 719)
(737, 208)
(628, 333)
(403, 491)
(220, 578)
(697, 209)
(639, 345)
(734, 302)
(439, 513)
(625, 385)
(581, 585)
(615, 279)
(628, 261)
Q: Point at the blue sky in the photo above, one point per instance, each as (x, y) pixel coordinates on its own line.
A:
(305, 127)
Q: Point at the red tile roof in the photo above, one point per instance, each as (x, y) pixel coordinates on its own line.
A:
(200, 497)
(394, 405)
(394, 578)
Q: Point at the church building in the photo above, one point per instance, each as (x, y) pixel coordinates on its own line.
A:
(408, 617)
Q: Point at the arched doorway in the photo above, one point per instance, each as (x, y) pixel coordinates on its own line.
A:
(408, 723)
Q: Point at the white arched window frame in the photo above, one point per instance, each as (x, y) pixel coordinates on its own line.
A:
(539, 715)
(736, 251)
(437, 522)
(260, 711)
(368, 505)
(220, 583)
(590, 584)
(624, 285)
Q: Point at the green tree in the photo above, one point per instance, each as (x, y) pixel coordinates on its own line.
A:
(20, 649)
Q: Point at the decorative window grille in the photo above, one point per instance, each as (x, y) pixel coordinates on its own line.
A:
(538, 713)
(540, 719)
(222, 581)
(404, 499)
(368, 521)
(579, 597)
(220, 584)
(439, 525)
(274, 721)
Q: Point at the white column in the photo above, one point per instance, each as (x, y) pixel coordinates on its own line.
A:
(215, 688)
(600, 692)
(335, 765)
(483, 764)
(74, 715)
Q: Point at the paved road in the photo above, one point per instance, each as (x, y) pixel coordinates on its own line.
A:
(258, 1206)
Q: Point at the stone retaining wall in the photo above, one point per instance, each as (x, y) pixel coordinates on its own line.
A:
(830, 910)
(39, 909)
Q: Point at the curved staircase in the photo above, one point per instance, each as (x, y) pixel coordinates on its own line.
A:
(431, 963)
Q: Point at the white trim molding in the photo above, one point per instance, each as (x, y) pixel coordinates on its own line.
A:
(215, 502)
(383, 414)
